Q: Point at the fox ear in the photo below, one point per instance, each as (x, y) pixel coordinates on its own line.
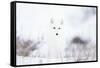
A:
(61, 22)
(51, 21)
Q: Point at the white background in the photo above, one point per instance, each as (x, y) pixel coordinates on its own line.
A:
(5, 34)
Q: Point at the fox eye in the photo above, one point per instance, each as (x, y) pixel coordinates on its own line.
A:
(59, 28)
(54, 27)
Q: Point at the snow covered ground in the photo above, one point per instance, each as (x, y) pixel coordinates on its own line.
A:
(57, 34)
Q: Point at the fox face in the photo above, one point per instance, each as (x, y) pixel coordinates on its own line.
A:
(56, 25)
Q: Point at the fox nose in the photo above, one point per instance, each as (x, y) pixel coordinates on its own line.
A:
(56, 33)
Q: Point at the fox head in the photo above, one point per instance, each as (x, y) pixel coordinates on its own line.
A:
(56, 25)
